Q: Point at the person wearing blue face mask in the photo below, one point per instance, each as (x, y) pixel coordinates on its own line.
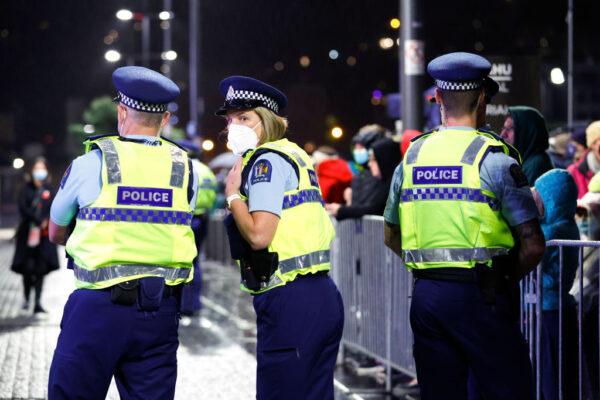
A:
(34, 255)
(368, 193)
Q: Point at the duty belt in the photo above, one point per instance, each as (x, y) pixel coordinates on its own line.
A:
(447, 274)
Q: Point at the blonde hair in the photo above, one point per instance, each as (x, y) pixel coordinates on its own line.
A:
(274, 126)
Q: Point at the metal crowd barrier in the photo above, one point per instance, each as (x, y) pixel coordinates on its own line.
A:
(376, 288)
(585, 290)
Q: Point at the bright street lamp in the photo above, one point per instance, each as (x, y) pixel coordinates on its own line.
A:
(112, 56)
(386, 43)
(557, 76)
(124, 15)
(18, 163)
(208, 145)
(337, 132)
(165, 15)
(169, 55)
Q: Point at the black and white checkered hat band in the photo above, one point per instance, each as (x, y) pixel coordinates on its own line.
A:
(249, 95)
(458, 86)
(142, 106)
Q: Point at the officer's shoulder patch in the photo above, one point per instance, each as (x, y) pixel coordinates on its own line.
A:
(65, 176)
(518, 175)
(261, 172)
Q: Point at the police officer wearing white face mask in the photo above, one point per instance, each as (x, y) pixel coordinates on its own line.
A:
(281, 235)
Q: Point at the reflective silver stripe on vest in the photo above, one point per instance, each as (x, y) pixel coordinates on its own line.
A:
(414, 150)
(472, 150)
(297, 157)
(177, 167)
(451, 255)
(110, 272)
(113, 167)
(304, 261)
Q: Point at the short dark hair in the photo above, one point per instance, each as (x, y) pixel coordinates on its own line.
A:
(458, 104)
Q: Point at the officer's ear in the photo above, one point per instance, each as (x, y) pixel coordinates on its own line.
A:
(121, 112)
(165, 119)
(438, 96)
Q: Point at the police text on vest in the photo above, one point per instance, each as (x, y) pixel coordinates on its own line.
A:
(144, 196)
(437, 175)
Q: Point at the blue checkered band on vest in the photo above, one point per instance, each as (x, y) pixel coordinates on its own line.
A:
(458, 86)
(449, 193)
(250, 95)
(304, 196)
(141, 105)
(135, 215)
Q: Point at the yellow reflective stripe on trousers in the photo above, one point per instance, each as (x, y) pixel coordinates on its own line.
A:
(110, 272)
(451, 255)
(304, 261)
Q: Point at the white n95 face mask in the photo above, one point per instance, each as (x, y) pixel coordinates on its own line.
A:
(241, 138)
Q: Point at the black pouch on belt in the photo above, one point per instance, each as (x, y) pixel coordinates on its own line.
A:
(124, 293)
(487, 279)
(150, 293)
(257, 269)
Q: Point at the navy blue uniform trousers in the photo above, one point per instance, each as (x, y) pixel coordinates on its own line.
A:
(455, 331)
(299, 331)
(99, 339)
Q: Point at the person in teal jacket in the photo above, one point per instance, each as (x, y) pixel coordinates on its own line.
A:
(525, 128)
(556, 194)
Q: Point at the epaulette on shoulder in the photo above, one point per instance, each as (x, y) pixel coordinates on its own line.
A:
(512, 151)
(89, 144)
(174, 144)
(92, 138)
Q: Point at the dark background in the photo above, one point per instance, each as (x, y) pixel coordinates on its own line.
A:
(52, 57)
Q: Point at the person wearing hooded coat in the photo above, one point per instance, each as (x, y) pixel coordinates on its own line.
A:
(35, 256)
(556, 196)
(525, 129)
(384, 156)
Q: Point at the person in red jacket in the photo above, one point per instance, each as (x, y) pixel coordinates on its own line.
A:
(333, 173)
(589, 164)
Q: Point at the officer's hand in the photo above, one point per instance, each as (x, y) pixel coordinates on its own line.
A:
(234, 179)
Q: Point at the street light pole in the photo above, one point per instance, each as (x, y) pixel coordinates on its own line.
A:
(146, 40)
(167, 42)
(570, 66)
(193, 125)
(412, 64)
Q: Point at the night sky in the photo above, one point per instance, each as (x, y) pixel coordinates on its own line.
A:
(52, 53)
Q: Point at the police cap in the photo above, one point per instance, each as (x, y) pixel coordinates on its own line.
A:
(243, 93)
(143, 89)
(459, 71)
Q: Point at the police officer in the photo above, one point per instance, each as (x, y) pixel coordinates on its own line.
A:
(461, 215)
(282, 242)
(205, 199)
(132, 195)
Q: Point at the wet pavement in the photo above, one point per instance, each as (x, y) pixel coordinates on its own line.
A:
(215, 357)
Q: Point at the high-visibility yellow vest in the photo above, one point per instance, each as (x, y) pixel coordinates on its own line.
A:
(140, 223)
(446, 218)
(207, 188)
(305, 231)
